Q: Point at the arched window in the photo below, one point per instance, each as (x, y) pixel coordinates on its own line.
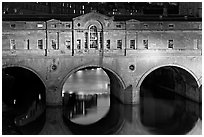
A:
(93, 37)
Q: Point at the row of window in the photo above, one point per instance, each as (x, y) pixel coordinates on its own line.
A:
(67, 44)
(40, 25)
(54, 44)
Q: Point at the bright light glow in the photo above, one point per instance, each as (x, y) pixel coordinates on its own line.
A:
(39, 96)
(14, 101)
(39, 25)
(80, 93)
(79, 73)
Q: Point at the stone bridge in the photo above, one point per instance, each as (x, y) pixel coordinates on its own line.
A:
(126, 72)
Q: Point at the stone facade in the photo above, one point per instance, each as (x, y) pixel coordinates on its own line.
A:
(55, 49)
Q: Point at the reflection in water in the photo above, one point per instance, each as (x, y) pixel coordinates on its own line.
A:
(86, 96)
(85, 108)
(29, 122)
(164, 112)
(23, 107)
(110, 123)
(159, 111)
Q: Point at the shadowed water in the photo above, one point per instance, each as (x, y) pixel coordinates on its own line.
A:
(91, 109)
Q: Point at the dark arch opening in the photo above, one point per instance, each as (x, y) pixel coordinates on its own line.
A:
(22, 85)
(173, 79)
(169, 101)
(24, 101)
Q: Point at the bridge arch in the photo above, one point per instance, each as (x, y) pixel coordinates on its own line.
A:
(115, 79)
(166, 65)
(28, 68)
(32, 77)
(174, 66)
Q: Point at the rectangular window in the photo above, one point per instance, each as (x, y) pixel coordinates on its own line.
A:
(40, 44)
(68, 44)
(86, 40)
(195, 43)
(146, 26)
(53, 25)
(108, 44)
(119, 44)
(67, 25)
(132, 44)
(78, 44)
(27, 44)
(54, 45)
(13, 25)
(171, 26)
(12, 44)
(118, 26)
(171, 44)
(39, 25)
(145, 43)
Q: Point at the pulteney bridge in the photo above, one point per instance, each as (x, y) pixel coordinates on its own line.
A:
(128, 51)
(126, 73)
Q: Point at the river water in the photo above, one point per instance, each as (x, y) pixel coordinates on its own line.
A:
(89, 108)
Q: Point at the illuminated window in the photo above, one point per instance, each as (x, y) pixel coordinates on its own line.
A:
(78, 44)
(145, 43)
(12, 44)
(132, 44)
(40, 44)
(119, 44)
(93, 37)
(171, 44)
(108, 44)
(39, 25)
(54, 45)
(68, 44)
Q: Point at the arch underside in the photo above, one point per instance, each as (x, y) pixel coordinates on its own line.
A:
(23, 85)
(117, 85)
(174, 78)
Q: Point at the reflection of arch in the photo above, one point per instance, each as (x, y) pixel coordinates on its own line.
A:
(106, 69)
(166, 65)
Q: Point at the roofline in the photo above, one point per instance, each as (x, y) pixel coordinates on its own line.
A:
(70, 17)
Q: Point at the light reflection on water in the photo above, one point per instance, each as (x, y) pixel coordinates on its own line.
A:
(86, 96)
